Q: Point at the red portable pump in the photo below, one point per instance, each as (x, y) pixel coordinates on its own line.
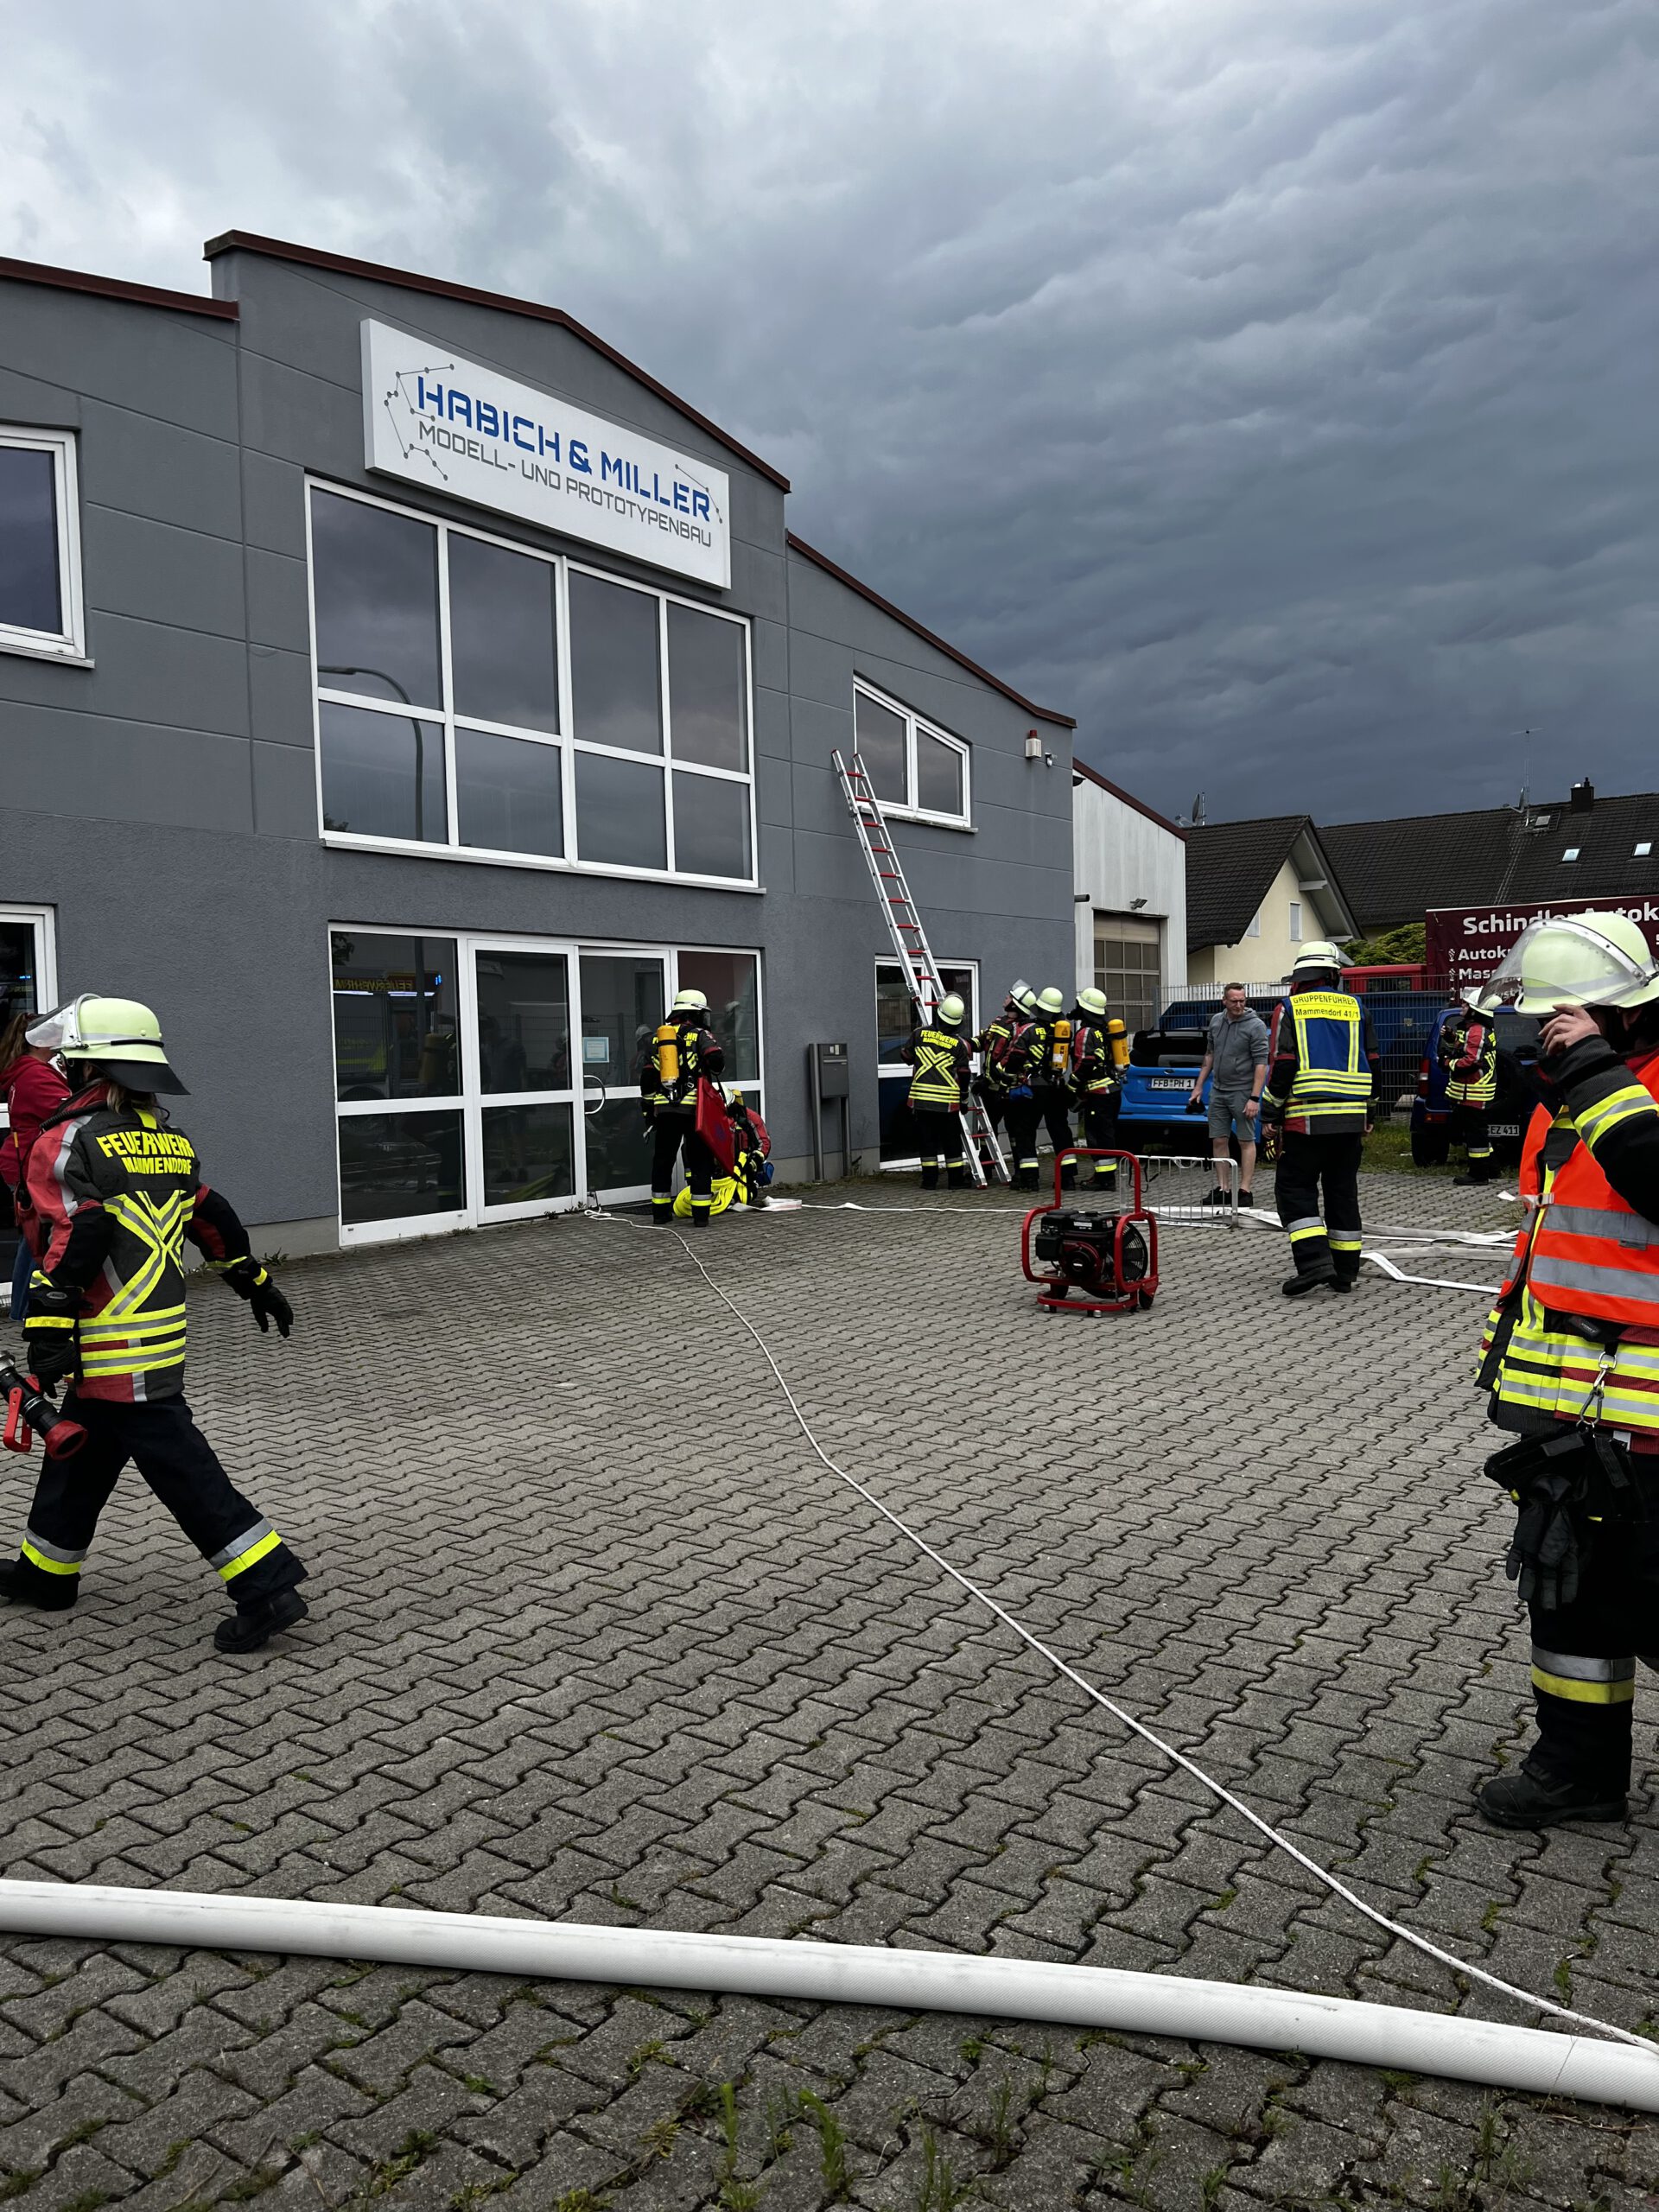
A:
(1110, 1257)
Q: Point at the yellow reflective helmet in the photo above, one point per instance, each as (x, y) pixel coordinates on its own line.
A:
(122, 1039)
(1559, 960)
(1052, 1000)
(690, 1002)
(1093, 1001)
(953, 1010)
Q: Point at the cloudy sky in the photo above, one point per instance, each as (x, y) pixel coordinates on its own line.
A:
(1269, 383)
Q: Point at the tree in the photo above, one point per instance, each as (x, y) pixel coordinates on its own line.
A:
(1391, 948)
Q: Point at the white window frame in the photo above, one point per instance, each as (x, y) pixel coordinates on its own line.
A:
(915, 724)
(565, 739)
(896, 1070)
(472, 1102)
(1295, 921)
(70, 643)
(43, 920)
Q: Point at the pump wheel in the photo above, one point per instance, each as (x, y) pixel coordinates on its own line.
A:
(1144, 1300)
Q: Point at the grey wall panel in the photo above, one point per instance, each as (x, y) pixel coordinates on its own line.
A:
(155, 572)
(33, 405)
(278, 603)
(160, 471)
(772, 723)
(769, 654)
(285, 791)
(155, 362)
(280, 685)
(144, 672)
(275, 493)
(302, 418)
(761, 577)
(774, 803)
(90, 768)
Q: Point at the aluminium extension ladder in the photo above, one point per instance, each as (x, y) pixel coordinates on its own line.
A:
(916, 961)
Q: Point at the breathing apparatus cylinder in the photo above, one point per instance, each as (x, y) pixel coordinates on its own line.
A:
(668, 1057)
(1120, 1037)
(1060, 1048)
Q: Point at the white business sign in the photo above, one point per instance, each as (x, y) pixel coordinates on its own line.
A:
(456, 428)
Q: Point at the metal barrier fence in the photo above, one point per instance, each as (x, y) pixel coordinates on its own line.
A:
(1179, 1186)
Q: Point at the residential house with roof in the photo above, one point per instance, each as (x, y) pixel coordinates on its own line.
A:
(1558, 853)
(1256, 892)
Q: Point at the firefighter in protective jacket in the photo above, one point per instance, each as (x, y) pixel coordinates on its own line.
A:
(118, 1188)
(1039, 1090)
(1098, 1080)
(677, 1057)
(1468, 1053)
(1323, 1067)
(942, 1060)
(1571, 1357)
(993, 1044)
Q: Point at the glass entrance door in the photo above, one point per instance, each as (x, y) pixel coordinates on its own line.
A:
(522, 1123)
(624, 996)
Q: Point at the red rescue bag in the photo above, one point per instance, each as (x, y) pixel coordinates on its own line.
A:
(715, 1126)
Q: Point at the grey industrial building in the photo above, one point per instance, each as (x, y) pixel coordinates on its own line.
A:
(405, 693)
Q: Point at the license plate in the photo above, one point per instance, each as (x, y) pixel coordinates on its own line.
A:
(1168, 1082)
(1503, 1129)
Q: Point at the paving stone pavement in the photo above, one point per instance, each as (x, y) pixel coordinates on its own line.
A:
(594, 1635)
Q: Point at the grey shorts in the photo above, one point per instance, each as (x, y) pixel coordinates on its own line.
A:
(1227, 1115)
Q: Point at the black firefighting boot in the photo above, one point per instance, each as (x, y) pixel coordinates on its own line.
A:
(250, 1627)
(1480, 1171)
(701, 1209)
(662, 1208)
(931, 1176)
(956, 1178)
(1533, 1801)
(1069, 1176)
(22, 1583)
(1316, 1268)
(1026, 1179)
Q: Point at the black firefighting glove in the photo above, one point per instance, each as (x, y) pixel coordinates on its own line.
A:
(265, 1302)
(1546, 1556)
(51, 1336)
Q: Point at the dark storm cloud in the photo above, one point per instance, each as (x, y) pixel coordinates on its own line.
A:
(1267, 382)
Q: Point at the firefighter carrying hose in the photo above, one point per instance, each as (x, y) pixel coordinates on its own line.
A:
(1468, 1053)
(1571, 1357)
(942, 1059)
(681, 1052)
(118, 1188)
(1097, 1075)
(1039, 1065)
(1323, 1067)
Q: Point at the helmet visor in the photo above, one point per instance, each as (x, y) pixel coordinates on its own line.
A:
(1560, 963)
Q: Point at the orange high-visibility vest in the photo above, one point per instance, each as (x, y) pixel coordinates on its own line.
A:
(1589, 1252)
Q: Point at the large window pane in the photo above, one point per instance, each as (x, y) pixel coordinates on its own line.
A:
(503, 635)
(509, 793)
(711, 826)
(374, 580)
(619, 1147)
(708, 689)
(381, 774)
(616, 684)
(938, 775)
(895, 1009)
(29, 594)
(731, 983)
(619, 817)
(622, 1002)
(395, 1024)
(527, 1154)
(524, 1022)
(880, 736)
(395, 1164)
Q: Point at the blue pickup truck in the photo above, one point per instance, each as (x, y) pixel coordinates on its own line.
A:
(1163, 1064)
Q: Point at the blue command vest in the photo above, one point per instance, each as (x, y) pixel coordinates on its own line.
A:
(1332, 1076)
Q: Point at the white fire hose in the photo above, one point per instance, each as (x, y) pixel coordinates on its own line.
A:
(1392, 2035)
